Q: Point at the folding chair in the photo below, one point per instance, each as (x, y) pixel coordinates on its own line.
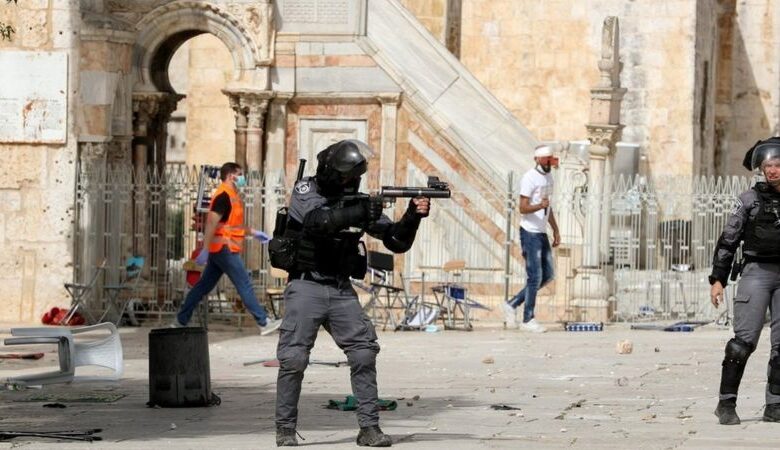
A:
(385, 298)
(124, 292)
(451, 298)
(418, 313)
(104, 352)
(78, 293)
(274, 292)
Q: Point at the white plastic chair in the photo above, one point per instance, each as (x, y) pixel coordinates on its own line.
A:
(104, 352)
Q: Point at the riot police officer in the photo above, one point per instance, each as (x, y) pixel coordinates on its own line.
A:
(327, 217)
(755, 221)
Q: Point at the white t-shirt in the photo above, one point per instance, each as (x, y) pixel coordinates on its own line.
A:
(536, 186)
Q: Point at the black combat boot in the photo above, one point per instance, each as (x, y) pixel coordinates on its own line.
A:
(285, 437)
(772, 412)
(727, 412)
(373, 437)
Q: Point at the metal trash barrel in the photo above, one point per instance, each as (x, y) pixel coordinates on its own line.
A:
(179, 372)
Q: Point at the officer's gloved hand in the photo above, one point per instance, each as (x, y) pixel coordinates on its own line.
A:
(375, 207)
(419, 206)
(202, 257)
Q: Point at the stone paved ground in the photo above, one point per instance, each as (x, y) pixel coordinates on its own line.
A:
(573, 389)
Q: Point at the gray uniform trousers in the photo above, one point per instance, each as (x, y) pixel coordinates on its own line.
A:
(759, 289)
(307, 305)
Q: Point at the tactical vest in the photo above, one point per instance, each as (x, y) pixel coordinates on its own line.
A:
(762, 234)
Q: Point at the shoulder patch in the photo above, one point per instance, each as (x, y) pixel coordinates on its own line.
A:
(737, 205)
(302, 187)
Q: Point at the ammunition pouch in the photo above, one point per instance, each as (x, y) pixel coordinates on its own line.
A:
(281, 252)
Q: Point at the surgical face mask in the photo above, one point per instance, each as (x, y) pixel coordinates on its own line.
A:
(240, 181)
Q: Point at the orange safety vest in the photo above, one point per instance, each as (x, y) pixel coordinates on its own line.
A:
(232, 231)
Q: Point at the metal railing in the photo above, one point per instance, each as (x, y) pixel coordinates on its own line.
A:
(653, 257)
(122, 213)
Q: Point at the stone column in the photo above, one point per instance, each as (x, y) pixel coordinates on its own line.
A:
(240, 131)
(251, 105)
(157, 207)
(452, 26)
(151, 112)
(145, 107)
(387, 150)
(591, 290)
(275, 156)
(91, 215)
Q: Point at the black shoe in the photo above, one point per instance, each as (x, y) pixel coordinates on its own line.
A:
(727, 412)
(772, 413)
(285, 437)
(373, 437)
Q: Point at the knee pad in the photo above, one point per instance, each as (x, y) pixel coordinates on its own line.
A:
(737, 352)
(362, 358)
(295, 363)
(774, 373)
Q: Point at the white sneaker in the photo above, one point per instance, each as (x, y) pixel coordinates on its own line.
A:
(533, 326)
(270, 327)
(510, 316)
(176, 324)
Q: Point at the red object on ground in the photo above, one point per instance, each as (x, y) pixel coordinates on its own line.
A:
(55, 316)
(194, 275)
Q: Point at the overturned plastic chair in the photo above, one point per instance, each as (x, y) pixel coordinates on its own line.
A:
(104, 352)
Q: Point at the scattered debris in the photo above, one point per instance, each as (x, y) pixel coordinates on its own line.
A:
(173, 426)
(416, 397)
(72, 435)
(657, 349)
(54, 405)
(504, 407)
(409, 404)
(624, 347)
(622, 381)
(488, 360)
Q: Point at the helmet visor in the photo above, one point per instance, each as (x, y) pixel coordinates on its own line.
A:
(763, 153)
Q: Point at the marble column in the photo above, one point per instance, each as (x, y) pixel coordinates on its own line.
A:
(151, 113)
(388, 146)
(250, 107)
(592, 289)
(91, 210)
(240, 130)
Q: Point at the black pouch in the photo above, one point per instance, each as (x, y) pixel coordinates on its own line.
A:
(281, 252)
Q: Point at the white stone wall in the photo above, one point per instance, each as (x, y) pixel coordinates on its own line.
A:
(539, 59)
(36, 181)
(754, 98)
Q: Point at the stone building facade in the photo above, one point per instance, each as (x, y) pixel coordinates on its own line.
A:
(304, 73)
(434, 86)
(701, 75)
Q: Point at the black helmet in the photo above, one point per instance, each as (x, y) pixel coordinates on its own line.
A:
(340, 166)
(760, 152)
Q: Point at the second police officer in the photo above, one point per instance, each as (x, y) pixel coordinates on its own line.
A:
(327, 223)
(754, 221)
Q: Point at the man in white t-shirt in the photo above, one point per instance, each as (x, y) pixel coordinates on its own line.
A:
(536, 190)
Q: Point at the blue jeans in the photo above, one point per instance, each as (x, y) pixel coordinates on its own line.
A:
(218, 263)
(539, 267)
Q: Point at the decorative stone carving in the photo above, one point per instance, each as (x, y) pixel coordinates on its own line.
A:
(609, 64)
(603, 136)
(249, 106)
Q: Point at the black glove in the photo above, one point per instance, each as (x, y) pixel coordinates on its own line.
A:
(374, 207)
(412, 210)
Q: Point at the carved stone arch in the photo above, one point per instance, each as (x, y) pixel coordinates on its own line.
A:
(164, 29)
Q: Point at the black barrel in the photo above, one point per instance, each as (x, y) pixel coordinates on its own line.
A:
(179, 367)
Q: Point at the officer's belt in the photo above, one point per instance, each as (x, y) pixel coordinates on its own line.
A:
(308, 276)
